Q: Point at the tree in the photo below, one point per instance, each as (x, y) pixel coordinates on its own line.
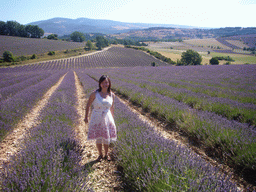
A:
(89, 45)
(12, 28)
(53, 36)
(3, 29)
(214, 61)
(101, 42)
(8, 56)
(22, 31)
(77, 36)
(34, 31)
(191, 57)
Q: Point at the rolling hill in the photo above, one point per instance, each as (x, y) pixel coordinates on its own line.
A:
(65, 26)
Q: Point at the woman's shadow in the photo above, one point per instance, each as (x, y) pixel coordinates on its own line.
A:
(88, 166)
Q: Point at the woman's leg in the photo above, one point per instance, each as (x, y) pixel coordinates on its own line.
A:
(99, 147)
(107, 157)
(106, 149)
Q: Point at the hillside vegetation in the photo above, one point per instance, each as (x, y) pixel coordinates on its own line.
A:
(165, 34)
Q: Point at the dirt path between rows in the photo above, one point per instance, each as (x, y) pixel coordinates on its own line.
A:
(102, 175)
(10, 145)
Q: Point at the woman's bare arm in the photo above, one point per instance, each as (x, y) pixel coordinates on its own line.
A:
(112, 107)
(88, 105)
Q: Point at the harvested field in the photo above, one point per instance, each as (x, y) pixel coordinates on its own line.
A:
(206, 43)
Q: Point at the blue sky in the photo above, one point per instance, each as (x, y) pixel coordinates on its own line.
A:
(199, 13)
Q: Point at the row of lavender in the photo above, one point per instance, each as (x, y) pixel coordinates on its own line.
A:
(15, 85)
(233, 104)
(153, 163)
(7, 79)
(211, 80)
(50, 155)
(23, 97)
(232, 140)
(113, 57)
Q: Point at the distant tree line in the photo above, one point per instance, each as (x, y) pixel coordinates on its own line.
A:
(13, 28)
(231, 31)
(227, 58)
(100, 40)
(253, 49)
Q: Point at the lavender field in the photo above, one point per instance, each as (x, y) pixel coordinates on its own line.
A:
(214, 105)
(27, 46)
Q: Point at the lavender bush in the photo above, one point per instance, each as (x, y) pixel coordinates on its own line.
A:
(50, 155)
(16, 107)
(153, 163)
(11, 90)
(232, 109)
(7, 79)
(234, 139)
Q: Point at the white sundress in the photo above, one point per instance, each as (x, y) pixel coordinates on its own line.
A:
(102, 126)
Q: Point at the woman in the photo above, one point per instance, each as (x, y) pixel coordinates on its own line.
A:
(102, 127)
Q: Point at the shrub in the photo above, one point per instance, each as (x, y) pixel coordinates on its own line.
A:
(23, 58)
(51, 53)
(8, 56)
(178, 63)
(53, 36)
(153, 64)
(33, 56)
(214, 61)
(227, 58)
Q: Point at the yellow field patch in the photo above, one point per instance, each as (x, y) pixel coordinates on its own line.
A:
(211, 43)
(174, 50)
(237, 43)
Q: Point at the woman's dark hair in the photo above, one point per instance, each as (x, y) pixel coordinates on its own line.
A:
(102, 78)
